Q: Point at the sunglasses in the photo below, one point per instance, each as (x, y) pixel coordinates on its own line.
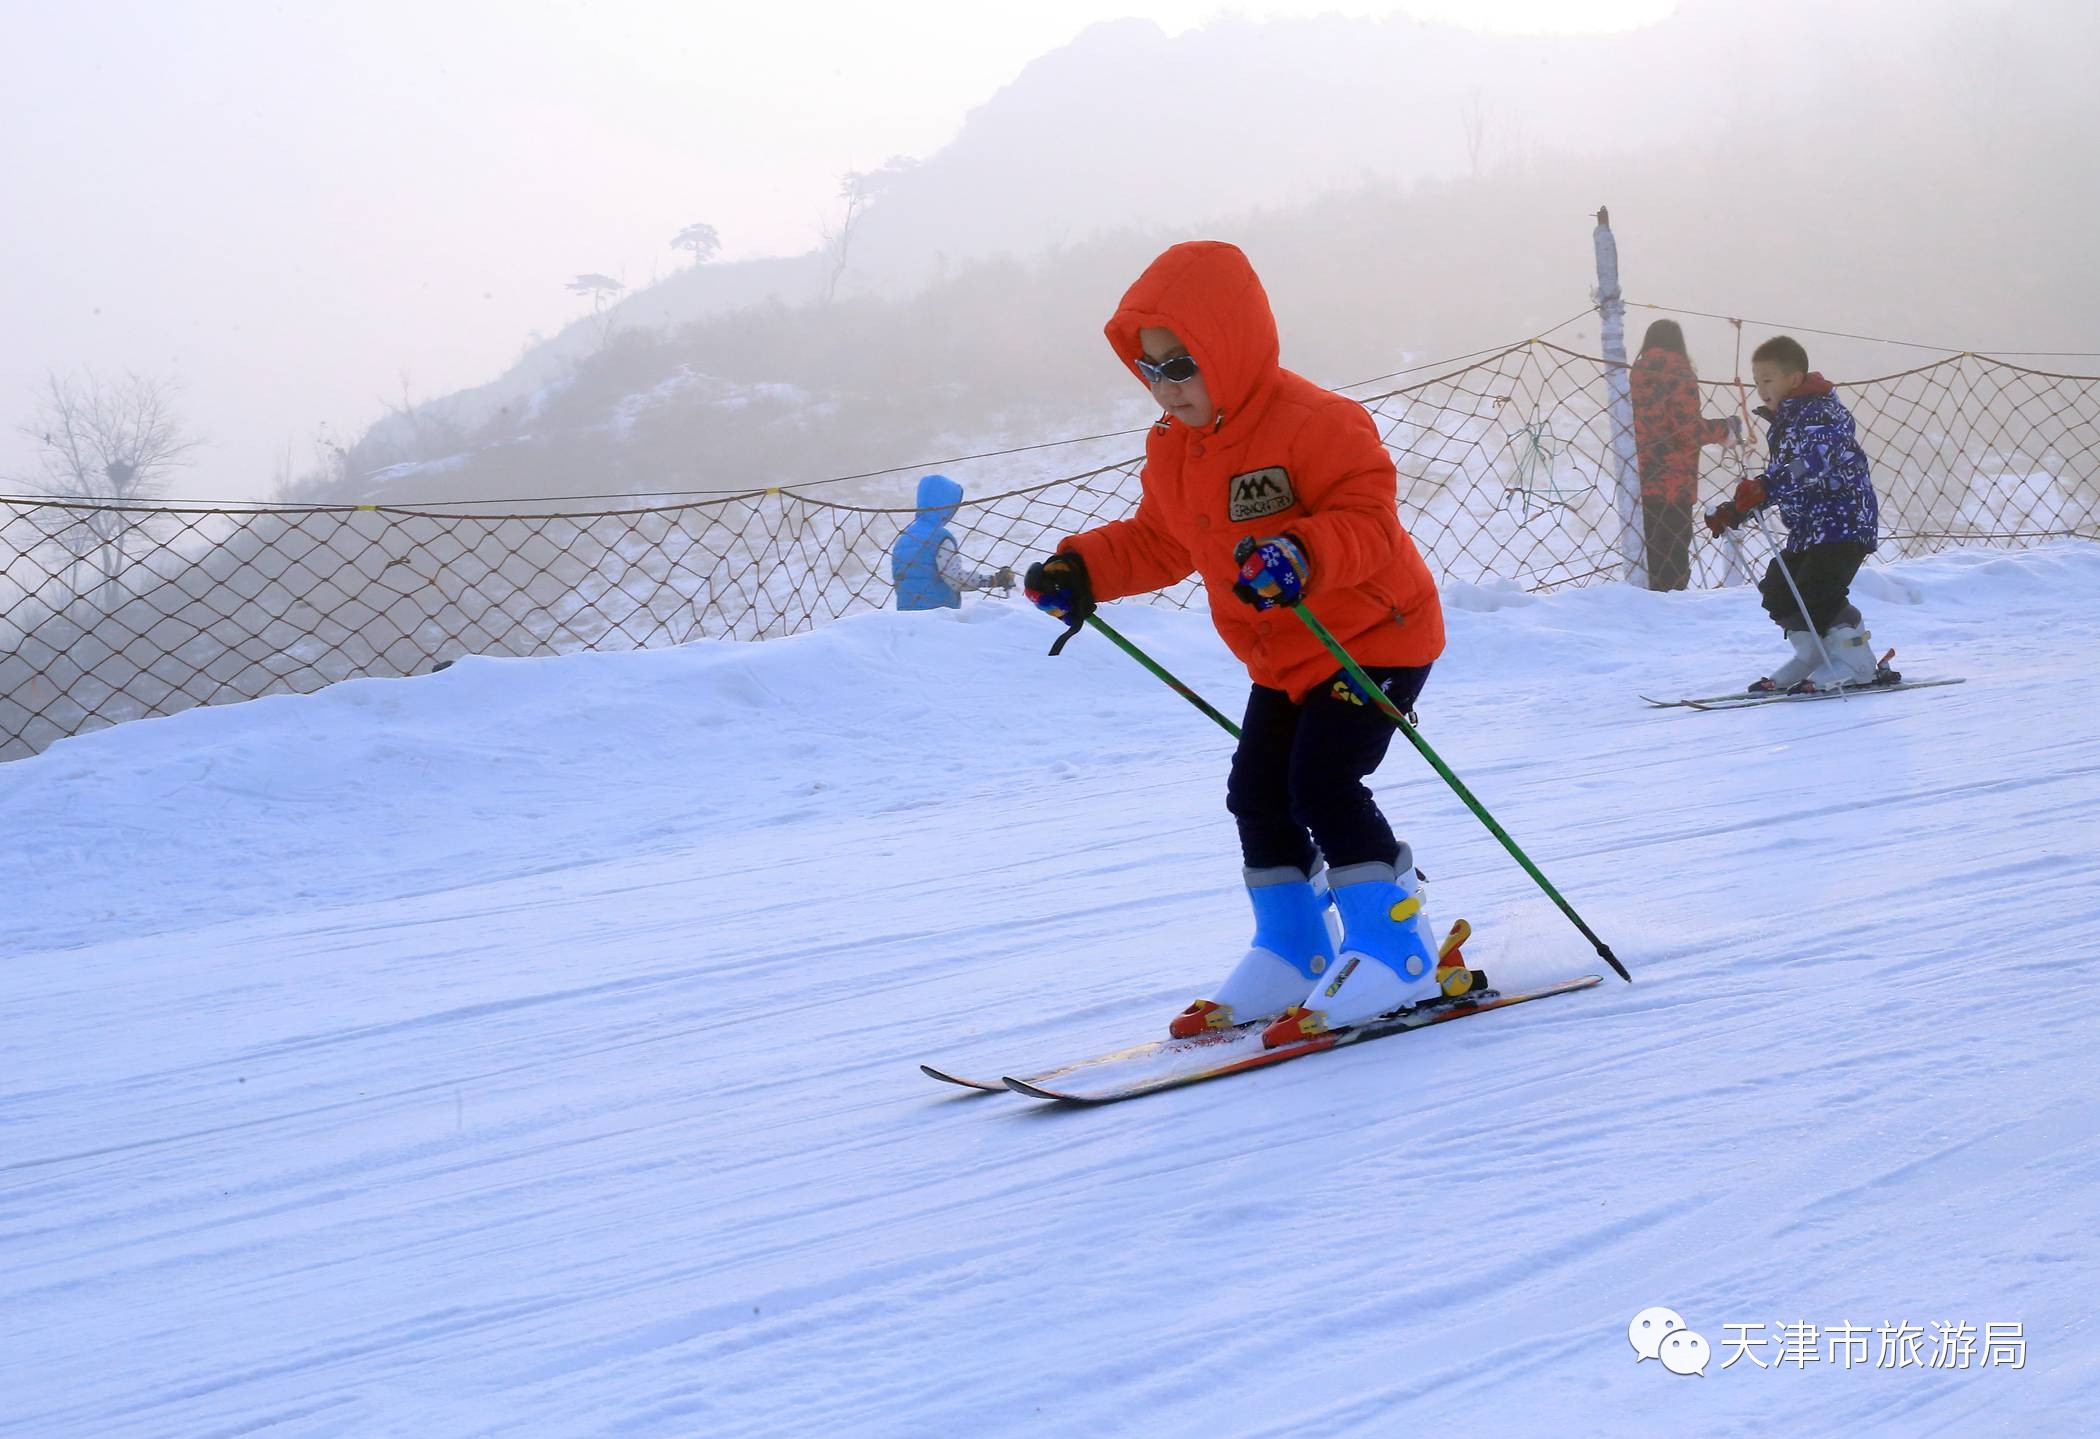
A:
(1177, 371)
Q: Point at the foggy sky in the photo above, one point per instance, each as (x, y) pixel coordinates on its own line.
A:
(297, 210)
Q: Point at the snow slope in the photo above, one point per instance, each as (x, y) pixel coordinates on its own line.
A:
(531, 1048)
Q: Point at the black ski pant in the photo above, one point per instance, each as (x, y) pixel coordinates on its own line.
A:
(1666, 530)
(1823, 573)
(1298, 775)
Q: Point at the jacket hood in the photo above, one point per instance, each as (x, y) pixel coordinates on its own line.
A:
(1208, 295)
(1812, 387)
(938, 498)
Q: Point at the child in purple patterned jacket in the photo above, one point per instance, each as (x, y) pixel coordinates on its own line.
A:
(1819, 481)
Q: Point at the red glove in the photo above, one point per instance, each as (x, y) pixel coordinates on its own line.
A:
(1724, 516)
(1749, 494)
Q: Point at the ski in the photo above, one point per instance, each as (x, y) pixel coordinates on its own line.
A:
(1742, 699)
(1156, 1051)
(1703, 699)
(1239, 1050)
(985, 1085)
(1136, 1054)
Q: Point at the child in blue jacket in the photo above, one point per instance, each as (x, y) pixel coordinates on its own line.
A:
(1819, 481)
(926, 565)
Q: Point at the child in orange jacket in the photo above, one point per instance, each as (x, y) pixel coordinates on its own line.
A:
(1272, 490)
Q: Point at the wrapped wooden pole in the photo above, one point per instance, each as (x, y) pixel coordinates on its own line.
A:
(1611, 311)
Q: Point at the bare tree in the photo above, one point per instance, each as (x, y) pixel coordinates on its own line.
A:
(701, 239)
(859, 189)
(838, 238)
(331, 472)
(106, 446)
(1473, 118)
(414, 431)
(97, 440)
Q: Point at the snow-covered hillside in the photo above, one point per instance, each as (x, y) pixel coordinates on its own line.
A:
(531, 1048)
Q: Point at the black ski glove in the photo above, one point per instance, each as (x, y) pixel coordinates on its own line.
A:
(1059, 588)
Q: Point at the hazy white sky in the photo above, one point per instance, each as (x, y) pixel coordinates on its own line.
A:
(291, 207)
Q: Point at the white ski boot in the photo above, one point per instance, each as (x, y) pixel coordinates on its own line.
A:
(1807, 659)
(1851, 648)
(1388, 957)
(1293, 945)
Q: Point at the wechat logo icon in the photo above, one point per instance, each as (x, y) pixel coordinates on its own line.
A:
(1660, 1334)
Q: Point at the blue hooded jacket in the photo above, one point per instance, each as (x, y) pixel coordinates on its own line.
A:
(915, 562)
(1818, 475)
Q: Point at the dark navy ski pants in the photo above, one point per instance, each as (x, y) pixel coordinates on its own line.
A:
(1823, 574)
(1298, 775)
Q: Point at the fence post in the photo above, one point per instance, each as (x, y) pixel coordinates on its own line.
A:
(1611, 307)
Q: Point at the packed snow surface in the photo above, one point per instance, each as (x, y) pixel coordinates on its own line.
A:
(531, 1048)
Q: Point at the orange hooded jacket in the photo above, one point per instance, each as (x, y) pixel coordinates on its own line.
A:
(1282, 455)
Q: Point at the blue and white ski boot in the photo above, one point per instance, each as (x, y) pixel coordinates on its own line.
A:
(1388, 956)
(1294, 942)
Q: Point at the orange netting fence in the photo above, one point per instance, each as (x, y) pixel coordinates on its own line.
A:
(111, 612)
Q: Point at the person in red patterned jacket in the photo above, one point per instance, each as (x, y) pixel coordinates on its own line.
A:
(1668, 430)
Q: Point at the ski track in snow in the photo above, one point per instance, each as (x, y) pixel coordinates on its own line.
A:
(532, 1048)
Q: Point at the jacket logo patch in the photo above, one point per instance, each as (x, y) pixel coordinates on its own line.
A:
(1261, 492)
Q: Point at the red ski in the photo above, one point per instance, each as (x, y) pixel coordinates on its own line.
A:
(1175, 1063)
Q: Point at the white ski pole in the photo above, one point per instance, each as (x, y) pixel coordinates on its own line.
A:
(1779, 560)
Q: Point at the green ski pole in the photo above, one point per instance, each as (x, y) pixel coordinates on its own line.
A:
(1159, 670)
(1392, 712)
